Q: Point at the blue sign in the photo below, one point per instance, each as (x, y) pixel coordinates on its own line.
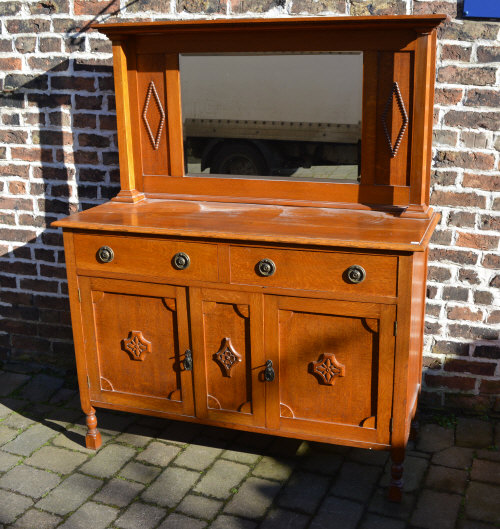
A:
(482, 8)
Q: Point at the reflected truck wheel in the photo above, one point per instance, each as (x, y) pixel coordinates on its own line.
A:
(239, 159)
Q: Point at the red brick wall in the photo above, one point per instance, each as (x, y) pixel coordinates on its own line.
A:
(58, 154)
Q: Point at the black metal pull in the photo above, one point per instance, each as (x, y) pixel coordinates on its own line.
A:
(269, 371)
(181, 261)
(266, 267)
(355, 274)
(187, 363)
(105, 254)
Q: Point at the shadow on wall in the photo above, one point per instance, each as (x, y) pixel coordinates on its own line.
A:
(63, 158)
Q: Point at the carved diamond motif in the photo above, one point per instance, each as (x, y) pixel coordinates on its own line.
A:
(155, 139)
(227, 357)
(136, 345)
(327, 368)
(404, 116)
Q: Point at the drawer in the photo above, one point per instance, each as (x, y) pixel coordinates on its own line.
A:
(315, 270)
(147, 256)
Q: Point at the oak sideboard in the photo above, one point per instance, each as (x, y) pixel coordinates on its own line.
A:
(263, 266)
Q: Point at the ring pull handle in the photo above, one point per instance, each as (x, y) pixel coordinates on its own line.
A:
(266, 267)
(355, 274)
(105, 254)
(181, 261)
(269, 371)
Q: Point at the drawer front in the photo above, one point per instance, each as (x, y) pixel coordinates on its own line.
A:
(147, 256)
(315, 270)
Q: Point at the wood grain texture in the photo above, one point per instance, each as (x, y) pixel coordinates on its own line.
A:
(276, 224)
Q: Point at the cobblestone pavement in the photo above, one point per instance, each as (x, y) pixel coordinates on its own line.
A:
(152, 473)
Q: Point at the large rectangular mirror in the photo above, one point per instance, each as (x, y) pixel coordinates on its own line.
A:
(281, 116)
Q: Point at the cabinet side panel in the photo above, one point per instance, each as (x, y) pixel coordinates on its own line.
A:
(417, 329)
(76, 320)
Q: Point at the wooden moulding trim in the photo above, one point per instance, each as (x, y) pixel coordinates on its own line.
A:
(277, 191)
(422, 23)
(255, 238)
(129, 196)
(303, 435)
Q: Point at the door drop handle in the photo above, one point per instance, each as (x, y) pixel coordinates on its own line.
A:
(269, 371)
(187, 363)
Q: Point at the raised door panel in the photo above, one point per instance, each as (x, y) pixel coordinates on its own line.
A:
(135, 338)
(227, 354)
(334, 366)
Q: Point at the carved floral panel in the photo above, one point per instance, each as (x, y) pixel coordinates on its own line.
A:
(327, 368)
(227, 357)
(136, 345)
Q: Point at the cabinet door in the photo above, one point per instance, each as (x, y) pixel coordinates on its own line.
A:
(227, 332)
(135, 337)
(334, 364)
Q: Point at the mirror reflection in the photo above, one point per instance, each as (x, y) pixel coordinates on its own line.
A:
(278, 116)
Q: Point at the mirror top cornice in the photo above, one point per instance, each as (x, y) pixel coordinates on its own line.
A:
(419, 23)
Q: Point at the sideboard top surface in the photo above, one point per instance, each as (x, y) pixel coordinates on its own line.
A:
(266, 223)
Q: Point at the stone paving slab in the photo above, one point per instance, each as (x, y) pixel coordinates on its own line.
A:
(436, 509)
(446, 479)
(337, 513)
(137, 471)
(118, 492)
(140, 515)
(200, 506)
(10, 382)
(41, 387)
(31, 439)
(219, 481)
(70, 494)
(158, 454)
(178, 521)
(158, 474)
(29, 481)
(482, 502)
(12, 505)
(34, 519)
(170, 487)
(108, 461)
(254, 497)
(474, 433)
(488, 471)
(7, 461)
(91, 515)
(56, 459)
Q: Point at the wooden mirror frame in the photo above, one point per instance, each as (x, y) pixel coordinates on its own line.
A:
(398, 87)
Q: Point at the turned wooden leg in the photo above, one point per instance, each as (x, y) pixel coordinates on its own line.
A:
(93, 438)
(396, 485)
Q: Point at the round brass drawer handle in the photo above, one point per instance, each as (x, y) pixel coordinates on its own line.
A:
(355, 274)
(266, 267)
(181, 261)
(105, 254)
